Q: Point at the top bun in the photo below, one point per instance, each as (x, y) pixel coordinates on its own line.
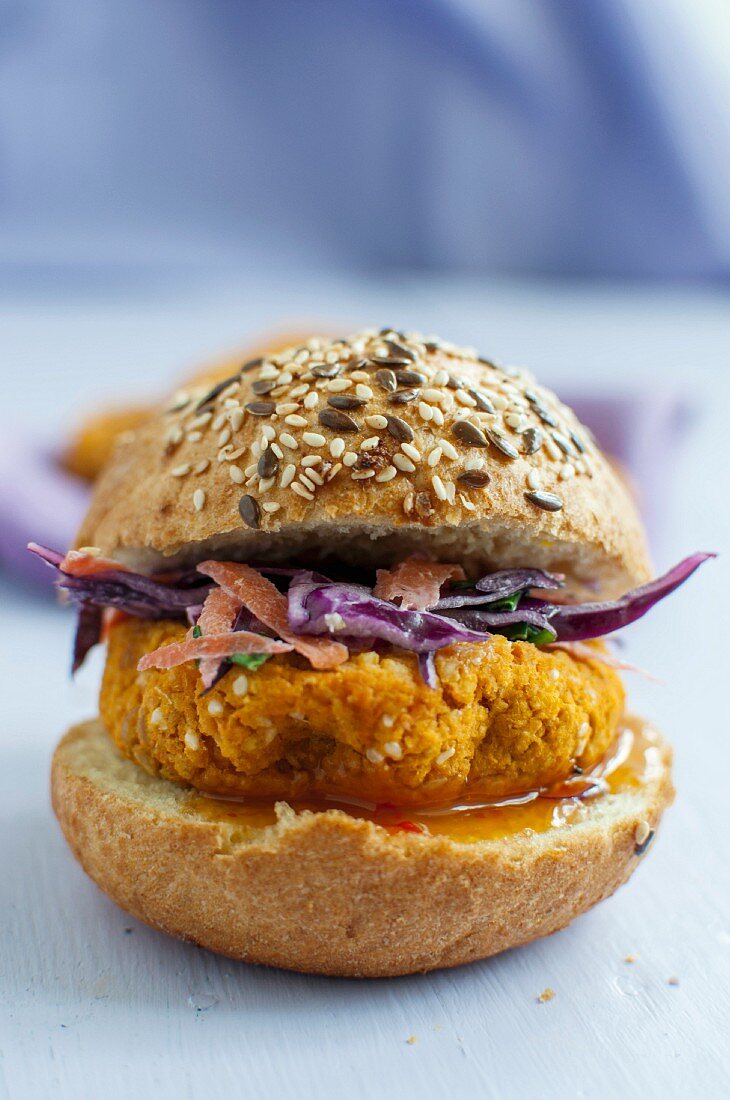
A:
(368, 449)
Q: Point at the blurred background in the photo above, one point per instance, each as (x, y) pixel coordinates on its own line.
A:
(536, 137)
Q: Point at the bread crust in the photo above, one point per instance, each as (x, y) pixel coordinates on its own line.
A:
(169, 497)
(327, 893)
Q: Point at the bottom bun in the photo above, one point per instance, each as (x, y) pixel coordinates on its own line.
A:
(327, 893)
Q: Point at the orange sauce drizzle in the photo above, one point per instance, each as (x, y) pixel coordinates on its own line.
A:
(632, 761)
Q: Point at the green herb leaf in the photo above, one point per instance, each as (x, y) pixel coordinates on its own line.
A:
(509, 603)
(197, 632)
(523, 632)
(251, 661)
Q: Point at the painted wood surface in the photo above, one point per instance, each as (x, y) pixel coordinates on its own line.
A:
(96, 1005)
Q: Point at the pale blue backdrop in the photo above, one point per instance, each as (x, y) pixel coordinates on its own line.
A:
(569, 137)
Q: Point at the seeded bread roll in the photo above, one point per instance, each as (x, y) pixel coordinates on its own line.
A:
(366, 450)
(330, 894)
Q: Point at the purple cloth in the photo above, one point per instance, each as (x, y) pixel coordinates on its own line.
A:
(40, 502)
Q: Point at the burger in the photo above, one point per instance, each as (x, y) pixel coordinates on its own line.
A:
(358, 714)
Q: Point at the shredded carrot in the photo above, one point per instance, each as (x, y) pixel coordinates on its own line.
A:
(263, 599)
(416, 583)
(214, 645)
(217, 617)
(81, 563)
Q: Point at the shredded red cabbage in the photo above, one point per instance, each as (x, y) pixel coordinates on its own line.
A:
(352, 614)
(351, 611)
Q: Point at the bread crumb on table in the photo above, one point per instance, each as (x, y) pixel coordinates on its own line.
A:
(630, 958)
(546, 995)
(411, 1040)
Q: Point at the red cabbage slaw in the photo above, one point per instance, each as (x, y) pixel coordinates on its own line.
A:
(502, 602)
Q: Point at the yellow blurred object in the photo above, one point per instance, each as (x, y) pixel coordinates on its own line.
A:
(92, 443)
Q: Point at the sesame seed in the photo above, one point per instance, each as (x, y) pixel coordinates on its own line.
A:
(215, 707)
(465, 398)
(313, 439)
(374, 756)
(441, 378)
(240, 684)
(349, 458)
(393, 750)
(192, 740)
(337, 385)
(467, 503)
(157, 718)
(236, 419)
(475, 463)
(425, 411)
(224, 437)
(219, 421)
(286, 407)
(554, 674)
(438, 487)
(268, 432)
(334, 471)
(288, 441)
(359, 376)
(236, 474)
(286, 377)
(431, 395)
(387, 720)
(370, 443)
(377, 421)
(311, 460)
(408, 502)
(362, 475)
(363, 391)
(276, 449)
(434, 456)
(445, 755)
(403, 463)
(287, 475)
(295, 421)
(180, 471)
(437, 417)
(271, 506)
(202, 420)
(641, 834)
(387, 474)
(533, 479)
(566, 471)
(194, 437)
(268, 370)
(499, 402)
(311, 400)
(299, 391)
(448, 449)
(337, 447)
(301, 491)
(256, 448)
(199, 500)
(412, 452)
(202, 466)
(266, 483)
(308, 482)
(552, 449)
(315, 476)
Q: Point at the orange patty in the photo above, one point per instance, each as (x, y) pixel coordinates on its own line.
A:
(506, 717)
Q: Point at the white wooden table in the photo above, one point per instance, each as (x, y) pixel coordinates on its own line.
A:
(95, 1004)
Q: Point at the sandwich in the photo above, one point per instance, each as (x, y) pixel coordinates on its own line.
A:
(360, 714)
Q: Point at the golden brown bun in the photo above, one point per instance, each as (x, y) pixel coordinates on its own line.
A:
(191, 483)
(326, 893)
